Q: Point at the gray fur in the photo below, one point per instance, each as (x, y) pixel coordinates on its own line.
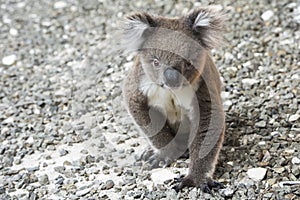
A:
(189, 116)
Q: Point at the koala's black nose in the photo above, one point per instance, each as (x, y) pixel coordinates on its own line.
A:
(172, 77)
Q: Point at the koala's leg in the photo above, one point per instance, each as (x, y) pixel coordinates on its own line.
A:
(201, 169)
(205, 146)
(174, 146)
(155, 126)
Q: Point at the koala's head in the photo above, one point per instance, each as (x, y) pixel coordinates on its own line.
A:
(173, 51)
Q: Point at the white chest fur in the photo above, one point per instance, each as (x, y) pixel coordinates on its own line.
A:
(172, 102)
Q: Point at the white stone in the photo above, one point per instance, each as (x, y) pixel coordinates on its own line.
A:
(36, 111)
(289, 151)
(60, 4)
(9, 60)
(230, 163)
(9, 120)
(159, 176)
(227, 103)
(83, 192)
(249, 81)
(274, 133)
(4, 130)
(295, 160)
(30, 140)
(13, 32)
(46, 23)
(294, 117)
(267, 15)
(225, 95)
(227, 192)
(295, 77)
(257, 174)
(288, 183)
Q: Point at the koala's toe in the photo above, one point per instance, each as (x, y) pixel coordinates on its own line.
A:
(183, 182)
(207, 186)
(146, 155)
(211, 185)
(215, 184)
(157, 161)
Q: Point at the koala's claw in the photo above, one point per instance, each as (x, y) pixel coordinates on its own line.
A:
(186, 154)
(146, 155)
(215, 185)
(157, 161)
(206, 187)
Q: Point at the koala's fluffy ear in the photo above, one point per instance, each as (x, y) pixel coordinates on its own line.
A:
(134, 29)
(207, 25)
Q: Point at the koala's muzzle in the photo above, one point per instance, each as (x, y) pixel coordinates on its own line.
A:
(172, 77)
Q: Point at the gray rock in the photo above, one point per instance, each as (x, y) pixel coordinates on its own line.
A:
(60, 169)
(44, 180)
(261, 124)
(63, 152)
(108, 185)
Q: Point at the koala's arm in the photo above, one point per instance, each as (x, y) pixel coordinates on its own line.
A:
(150, 120)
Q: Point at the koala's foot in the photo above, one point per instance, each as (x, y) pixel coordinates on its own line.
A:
(155, 159)
(206, 186)
(185, 155)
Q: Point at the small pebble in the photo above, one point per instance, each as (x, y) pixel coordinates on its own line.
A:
(44, 179)
(9, 60)
(261, 124)
(249, 81)
(295, 161)
(294, 117)
(13, 32)
(83, 192)
(227, 192)
(109, 184)
(63, 152)
(60, 5)
(257, 174)
(59, 180)
(60, 169)
(267, 15)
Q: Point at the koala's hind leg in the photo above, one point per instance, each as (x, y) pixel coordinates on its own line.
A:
(201, 169)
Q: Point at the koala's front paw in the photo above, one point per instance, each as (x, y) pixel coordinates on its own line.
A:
(206, 186)
(155, 159)
(146, 154)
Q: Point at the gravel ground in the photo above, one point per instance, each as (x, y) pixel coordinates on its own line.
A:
(66, 135)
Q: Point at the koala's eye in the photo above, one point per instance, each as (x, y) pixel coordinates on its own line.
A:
(155, 62)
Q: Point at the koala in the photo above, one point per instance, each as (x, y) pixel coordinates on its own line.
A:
(173, 90)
